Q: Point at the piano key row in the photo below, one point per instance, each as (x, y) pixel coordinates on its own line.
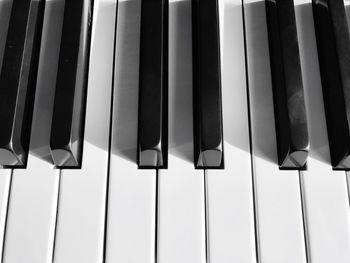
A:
(266, 210)
(69, 101)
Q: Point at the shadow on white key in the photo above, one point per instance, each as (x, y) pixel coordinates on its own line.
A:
(33, 198)
(132, 192)
(81, 213)
(279, 210)
(325, 191)
(181, 212)
(5, 174)
(230, 208)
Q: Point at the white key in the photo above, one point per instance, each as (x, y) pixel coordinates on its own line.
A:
(5, 183)
(5, 175)
(181, 221)
(132, 192)
(230, 197)
(81, 214)
(32, 213)
(279, 211)
(325, 191)
(33, 199)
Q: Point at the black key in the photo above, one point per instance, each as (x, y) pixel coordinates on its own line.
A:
(153, 87)
(333, 45)
(288, 94)
(208, 134)
(71, 87)
(18, 80)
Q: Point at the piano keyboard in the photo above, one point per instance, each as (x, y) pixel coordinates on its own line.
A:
(174, 131)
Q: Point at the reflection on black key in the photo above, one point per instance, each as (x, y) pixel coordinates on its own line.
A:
(153, 93)
(289, 102)
(71, 86)
(18, 80)
(208, 135)
(333, 44)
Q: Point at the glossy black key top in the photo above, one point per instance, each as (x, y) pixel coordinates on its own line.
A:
(208, 133)
(288, 93)
(18, 80)
(67, 128)
(153, 85)
(333, 45)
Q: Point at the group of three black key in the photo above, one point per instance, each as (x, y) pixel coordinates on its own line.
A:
(20, 65)
(153, 93)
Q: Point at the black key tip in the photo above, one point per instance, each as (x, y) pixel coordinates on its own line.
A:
(210, 159)
(64, 158)
(150, 158)
(343, 165)
(9, 157)
(295, 160)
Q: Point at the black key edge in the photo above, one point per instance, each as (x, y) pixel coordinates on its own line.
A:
(19, 156)
(291, 140)
(75, 162)
(159, 154)
(331, 78)
(200, 151)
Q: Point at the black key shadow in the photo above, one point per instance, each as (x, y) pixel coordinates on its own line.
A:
(233, 79)
(319, 148)
(97, 118)
(180, 81)
(42, 116)
(125, 115)
(260, 82)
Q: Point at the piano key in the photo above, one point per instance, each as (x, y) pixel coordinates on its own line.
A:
(230, 210)
(153, 99)
(5, 175)
(278, 210)
(132, 192)
(208, 137)
(33, 199)
(181, 210)
(325, 195)
(290, 116)
(333, 42)
(70, 95)
(5, 184)
(82, 201)
(18, 80)
(31, 216)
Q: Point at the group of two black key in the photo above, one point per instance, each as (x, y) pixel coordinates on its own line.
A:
(20, 65)
(333, 45)
(153, 93)
(18, 82)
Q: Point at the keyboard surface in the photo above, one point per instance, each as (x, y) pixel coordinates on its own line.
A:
(171, 131)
